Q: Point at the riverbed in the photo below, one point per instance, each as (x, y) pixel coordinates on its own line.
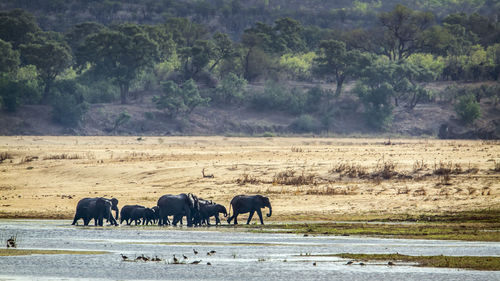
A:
(223, 253)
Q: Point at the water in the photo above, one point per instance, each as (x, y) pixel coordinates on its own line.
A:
(239, 255)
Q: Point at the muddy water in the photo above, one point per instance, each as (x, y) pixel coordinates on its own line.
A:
(239, 255)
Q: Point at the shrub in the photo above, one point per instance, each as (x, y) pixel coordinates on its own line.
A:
(468, 109)
(230, 90)
(68, 105)
(179, 100)
(305, 124)
(278, 97)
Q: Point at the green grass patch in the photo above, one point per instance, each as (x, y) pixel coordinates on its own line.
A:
(27, 252)
(439, 231)
(479, 263)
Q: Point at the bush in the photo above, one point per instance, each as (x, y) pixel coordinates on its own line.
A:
(231, 89)
(179, 100)
(468, 109)
(305, 124)
(68, 105)
(278, 97)
(15, 93)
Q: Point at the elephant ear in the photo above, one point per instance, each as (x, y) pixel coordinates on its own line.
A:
(263, 200)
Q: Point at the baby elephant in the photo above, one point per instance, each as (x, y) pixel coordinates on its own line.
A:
(126, 213)
(211, 210)
(146, 214)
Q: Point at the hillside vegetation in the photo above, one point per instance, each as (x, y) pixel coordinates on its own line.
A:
(250, 67)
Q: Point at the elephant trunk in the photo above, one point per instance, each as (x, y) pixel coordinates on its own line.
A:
(270, 210)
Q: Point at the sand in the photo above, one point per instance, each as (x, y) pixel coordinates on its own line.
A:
(45, 177)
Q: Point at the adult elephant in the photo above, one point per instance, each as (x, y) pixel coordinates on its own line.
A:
(98, 208)
(178, 206)
(249, 204)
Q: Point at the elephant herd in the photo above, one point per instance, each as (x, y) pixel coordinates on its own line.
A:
(196, 210)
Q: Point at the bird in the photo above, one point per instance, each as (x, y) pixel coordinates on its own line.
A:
(213, 252)
(361, 263)
(176, 260)
(184, 256)
(349, 262)
(209, 263)
(11, 242)
(390, 263)
(195, 252)
(156, 258)
(314, 263)
(124, 257)
(196, 262)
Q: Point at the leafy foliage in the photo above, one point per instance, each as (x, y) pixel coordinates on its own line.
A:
(177, 100)
(68, 106)
(231, 89)
(119, 54)
(468, 109)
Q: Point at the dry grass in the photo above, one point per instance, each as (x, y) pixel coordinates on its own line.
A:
(5, 155)
(63, 156)
(307, 178)
(288, 177)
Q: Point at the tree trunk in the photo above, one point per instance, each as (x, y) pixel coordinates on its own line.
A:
(340, 82)
(46, 91)
(124, 87)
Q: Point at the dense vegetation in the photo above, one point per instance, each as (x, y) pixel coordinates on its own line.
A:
(68, 54)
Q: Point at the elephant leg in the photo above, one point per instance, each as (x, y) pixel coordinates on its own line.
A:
(217, 220)
(230, 219)
(259, 212)
(250, 217)
(235, 218)
(75, 220)
(208, 220)
(86, 221)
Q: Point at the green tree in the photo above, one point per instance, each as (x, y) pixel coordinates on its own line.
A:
(468, 109)
(231, 89)
(176, 100)
(335, 60)
(78, 33)
(402, 30)
(9, 58)
(15, 26)
(223, 49)
(196, 58)
(120, 54)
(50, 56)
(68, 105)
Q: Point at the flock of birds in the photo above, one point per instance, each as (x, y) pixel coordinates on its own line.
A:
(174, 260)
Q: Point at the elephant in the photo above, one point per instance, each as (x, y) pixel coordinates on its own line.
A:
(98, 208)
(138, 213)
(126, 211)
(249, 203)
(178, 206)
(156, 216)
(211, 210)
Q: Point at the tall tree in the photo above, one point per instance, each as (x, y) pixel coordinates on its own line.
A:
(49, 54)
(15, 26)
(401, 31)
(9, 58)
(119, 54)
(223, 49)
(335, 60)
